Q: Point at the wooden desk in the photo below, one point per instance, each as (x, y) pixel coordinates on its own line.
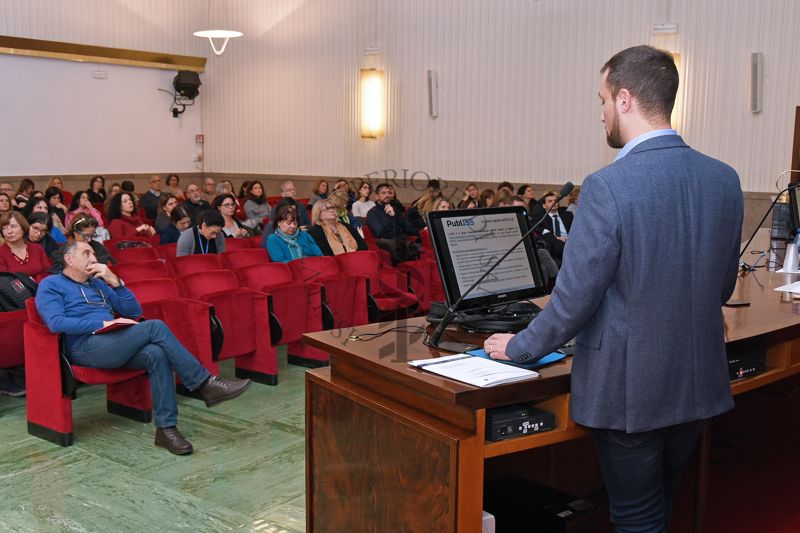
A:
(393, 448)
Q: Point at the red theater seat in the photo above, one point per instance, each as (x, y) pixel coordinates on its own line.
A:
(244, 315)
(237, 244)
(144, 253)
(12, 352)
(295, 308)
(167, 251)
(243, 258)
(142, 270)
(189, 264)
(344, 295)
(188, 319)
(392, 301)
(51, 381)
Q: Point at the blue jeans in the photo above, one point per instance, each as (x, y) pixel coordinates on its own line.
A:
(150, 346)
(642, 472)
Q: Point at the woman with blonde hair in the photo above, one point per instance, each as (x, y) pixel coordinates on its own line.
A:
(331, 235)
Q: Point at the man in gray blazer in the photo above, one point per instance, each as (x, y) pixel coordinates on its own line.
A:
(651, 258)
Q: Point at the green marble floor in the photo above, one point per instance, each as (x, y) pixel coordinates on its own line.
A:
(247, 472)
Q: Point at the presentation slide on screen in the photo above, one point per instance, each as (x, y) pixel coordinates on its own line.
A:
(476, 243)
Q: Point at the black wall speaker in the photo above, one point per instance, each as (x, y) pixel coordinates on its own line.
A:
(187, 83)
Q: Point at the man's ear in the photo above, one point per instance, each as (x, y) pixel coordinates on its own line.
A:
(623, 101)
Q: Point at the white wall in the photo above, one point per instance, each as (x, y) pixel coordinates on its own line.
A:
(63, 121)
(518, 79)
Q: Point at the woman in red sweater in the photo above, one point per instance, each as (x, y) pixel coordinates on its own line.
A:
(16, 255)
(123, 220)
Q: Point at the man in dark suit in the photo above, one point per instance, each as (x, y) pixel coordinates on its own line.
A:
(555, 227)
(642, 300)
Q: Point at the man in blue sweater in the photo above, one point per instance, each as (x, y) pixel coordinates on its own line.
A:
(83, 299)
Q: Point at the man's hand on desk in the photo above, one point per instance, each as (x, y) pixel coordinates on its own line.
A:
(495, 345)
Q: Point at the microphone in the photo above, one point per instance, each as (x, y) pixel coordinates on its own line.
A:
(791, 186)
(448, 316)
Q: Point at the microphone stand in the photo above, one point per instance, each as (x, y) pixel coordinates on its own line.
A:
(458, 347)
(791, 186)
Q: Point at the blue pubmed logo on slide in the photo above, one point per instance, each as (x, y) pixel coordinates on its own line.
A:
(462, 222)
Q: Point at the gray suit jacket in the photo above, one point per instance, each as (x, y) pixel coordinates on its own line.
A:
(652, 256)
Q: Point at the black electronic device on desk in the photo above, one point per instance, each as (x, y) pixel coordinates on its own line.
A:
(517, 420)
(489, 269)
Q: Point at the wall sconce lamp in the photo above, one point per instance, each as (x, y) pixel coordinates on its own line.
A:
(373, 103)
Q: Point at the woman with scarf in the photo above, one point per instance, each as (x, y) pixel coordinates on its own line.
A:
(332, 236)
(287, 243)
(123, 220)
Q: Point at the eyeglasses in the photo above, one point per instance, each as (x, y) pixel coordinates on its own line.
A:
(227, 205)
(329, 208)
(38, 229)
(98, 292)
(87, 236)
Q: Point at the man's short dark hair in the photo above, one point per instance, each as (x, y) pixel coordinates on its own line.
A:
(649, 74)
(127, 186)
(209, 217)
(382, 186)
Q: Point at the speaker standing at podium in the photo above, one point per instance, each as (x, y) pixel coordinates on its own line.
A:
(651, 258)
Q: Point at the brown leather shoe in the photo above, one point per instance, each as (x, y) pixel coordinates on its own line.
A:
(218, 390)
(171, 439)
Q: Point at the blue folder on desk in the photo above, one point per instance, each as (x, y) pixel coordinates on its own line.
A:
(544, 361)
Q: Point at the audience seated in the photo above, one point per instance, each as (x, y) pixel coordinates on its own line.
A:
(38, 233)
(149, 201)
(55, 202)
(55, 181)
(423, 205)
(320, 191)
(226, 205)
(17, 255)
(5, 203)
(287, 242)
(333, 236)
(179, 221)
(343, 185)
(390, 227)
(84, 298)
(81, 204)
(8, 189)
(289, 191)
(96, 190)
(24, 192)
(256, 207)
(471, 193)
(507, 186)
(123, 220)
(82, 229)
(113, 190)
(526, 193)
(205, 237)
(174, 186)
(209, 189)
(362, 206)
(572, 200)
(194, 202)
(486, 198)
(40, 205)
(166, 203)
(555, 226)
(339, 200)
